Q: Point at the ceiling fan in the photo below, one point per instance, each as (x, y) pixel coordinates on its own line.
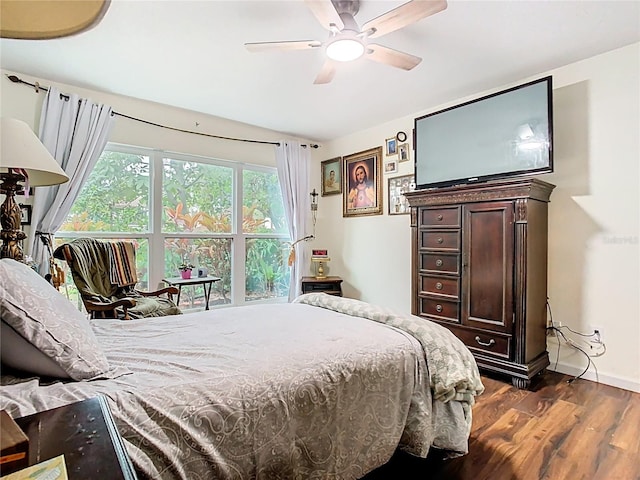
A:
(347, 41)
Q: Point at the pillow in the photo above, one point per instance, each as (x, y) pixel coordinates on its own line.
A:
(49, 322)
(17, 353)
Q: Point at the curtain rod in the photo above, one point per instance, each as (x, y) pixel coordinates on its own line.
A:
(39, 87)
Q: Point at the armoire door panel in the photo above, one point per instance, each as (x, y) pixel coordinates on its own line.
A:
(488, 265)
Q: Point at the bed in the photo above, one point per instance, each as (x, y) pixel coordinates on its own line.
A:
(324, 387)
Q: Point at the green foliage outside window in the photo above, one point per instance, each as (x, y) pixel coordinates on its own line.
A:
(115, 197)
(197, 218)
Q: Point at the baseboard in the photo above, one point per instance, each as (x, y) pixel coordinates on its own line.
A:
(617, 382)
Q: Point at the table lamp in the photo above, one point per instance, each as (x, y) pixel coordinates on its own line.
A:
(31, 20)
(319, 263)
(23, 159)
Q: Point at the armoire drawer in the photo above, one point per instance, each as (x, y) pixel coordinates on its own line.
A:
(439, 309)
(440, 285)
(484, 342)
(440, 263)
(440, 217)
(441, 240)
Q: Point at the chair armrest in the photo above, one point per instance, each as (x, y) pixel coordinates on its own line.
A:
(105, 307)
(170, 291)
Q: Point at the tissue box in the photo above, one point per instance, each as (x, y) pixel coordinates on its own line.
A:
(14, 446)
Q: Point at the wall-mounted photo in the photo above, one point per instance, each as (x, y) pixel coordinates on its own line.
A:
(331, 176)
(25, 214)
(403, 152)
(362, 189)
(390, 166)
(398, 186)
(392, 146)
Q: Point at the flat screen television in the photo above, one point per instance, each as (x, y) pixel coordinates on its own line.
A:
(508, 133)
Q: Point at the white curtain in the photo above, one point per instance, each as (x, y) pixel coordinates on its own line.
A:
(293, 162)
(75, 131)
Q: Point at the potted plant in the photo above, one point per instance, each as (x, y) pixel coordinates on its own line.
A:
(185, 269)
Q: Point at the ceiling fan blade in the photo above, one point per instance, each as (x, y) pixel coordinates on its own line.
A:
(392, 57)
(280, 46)
(327, 72)
(402, 16)
(326, 13)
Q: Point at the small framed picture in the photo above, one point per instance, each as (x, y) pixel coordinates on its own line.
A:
(398, 186)
(392, 146)
(390, 166)
(25, 214)
(403, 152)
(332, 176)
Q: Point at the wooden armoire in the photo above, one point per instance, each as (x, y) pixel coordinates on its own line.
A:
(479, 268)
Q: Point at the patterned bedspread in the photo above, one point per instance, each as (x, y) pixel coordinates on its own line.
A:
(453, 372)
(272, 391)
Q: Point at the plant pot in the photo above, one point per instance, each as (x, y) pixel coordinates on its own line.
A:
(185, 274)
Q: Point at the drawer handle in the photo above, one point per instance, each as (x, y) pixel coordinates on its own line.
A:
(439, 263)
(490, 343)
(438, 308)
(438, 286)
(439, 217)
(439, 240)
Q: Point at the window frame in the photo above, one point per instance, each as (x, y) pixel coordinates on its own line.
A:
(156, 237)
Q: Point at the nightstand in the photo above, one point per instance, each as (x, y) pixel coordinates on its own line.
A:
(87, 436)
(330, 285)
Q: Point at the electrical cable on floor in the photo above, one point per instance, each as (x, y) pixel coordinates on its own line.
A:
(572, 343)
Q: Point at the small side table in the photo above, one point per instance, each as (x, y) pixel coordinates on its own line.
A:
(87, 436)
(330, 285)
(206, 282)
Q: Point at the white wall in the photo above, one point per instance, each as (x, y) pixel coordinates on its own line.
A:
(593, 224)
(20, 101)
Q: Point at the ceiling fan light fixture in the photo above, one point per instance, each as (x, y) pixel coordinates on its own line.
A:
(345, 49)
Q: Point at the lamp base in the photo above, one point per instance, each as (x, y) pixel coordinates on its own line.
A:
(319, 264)
(10, 218)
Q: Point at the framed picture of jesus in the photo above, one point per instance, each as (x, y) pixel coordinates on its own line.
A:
(362, 183)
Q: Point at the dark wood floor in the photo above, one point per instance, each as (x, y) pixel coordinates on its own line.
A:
(554, 431)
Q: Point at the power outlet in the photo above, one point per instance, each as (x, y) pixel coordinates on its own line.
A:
(551, 332)
(598, 335)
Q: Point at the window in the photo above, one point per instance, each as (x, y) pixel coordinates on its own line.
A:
(225, 216)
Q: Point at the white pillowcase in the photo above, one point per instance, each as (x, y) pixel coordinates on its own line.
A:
(49, 322)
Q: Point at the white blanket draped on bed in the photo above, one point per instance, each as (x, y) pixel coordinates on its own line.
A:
(270, 391)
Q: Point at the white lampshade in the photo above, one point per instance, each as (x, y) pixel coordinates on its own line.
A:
(21, 148)
(37, 20)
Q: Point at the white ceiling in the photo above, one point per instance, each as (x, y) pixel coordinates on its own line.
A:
(191, 54)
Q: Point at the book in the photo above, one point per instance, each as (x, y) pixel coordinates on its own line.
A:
(54, 469)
